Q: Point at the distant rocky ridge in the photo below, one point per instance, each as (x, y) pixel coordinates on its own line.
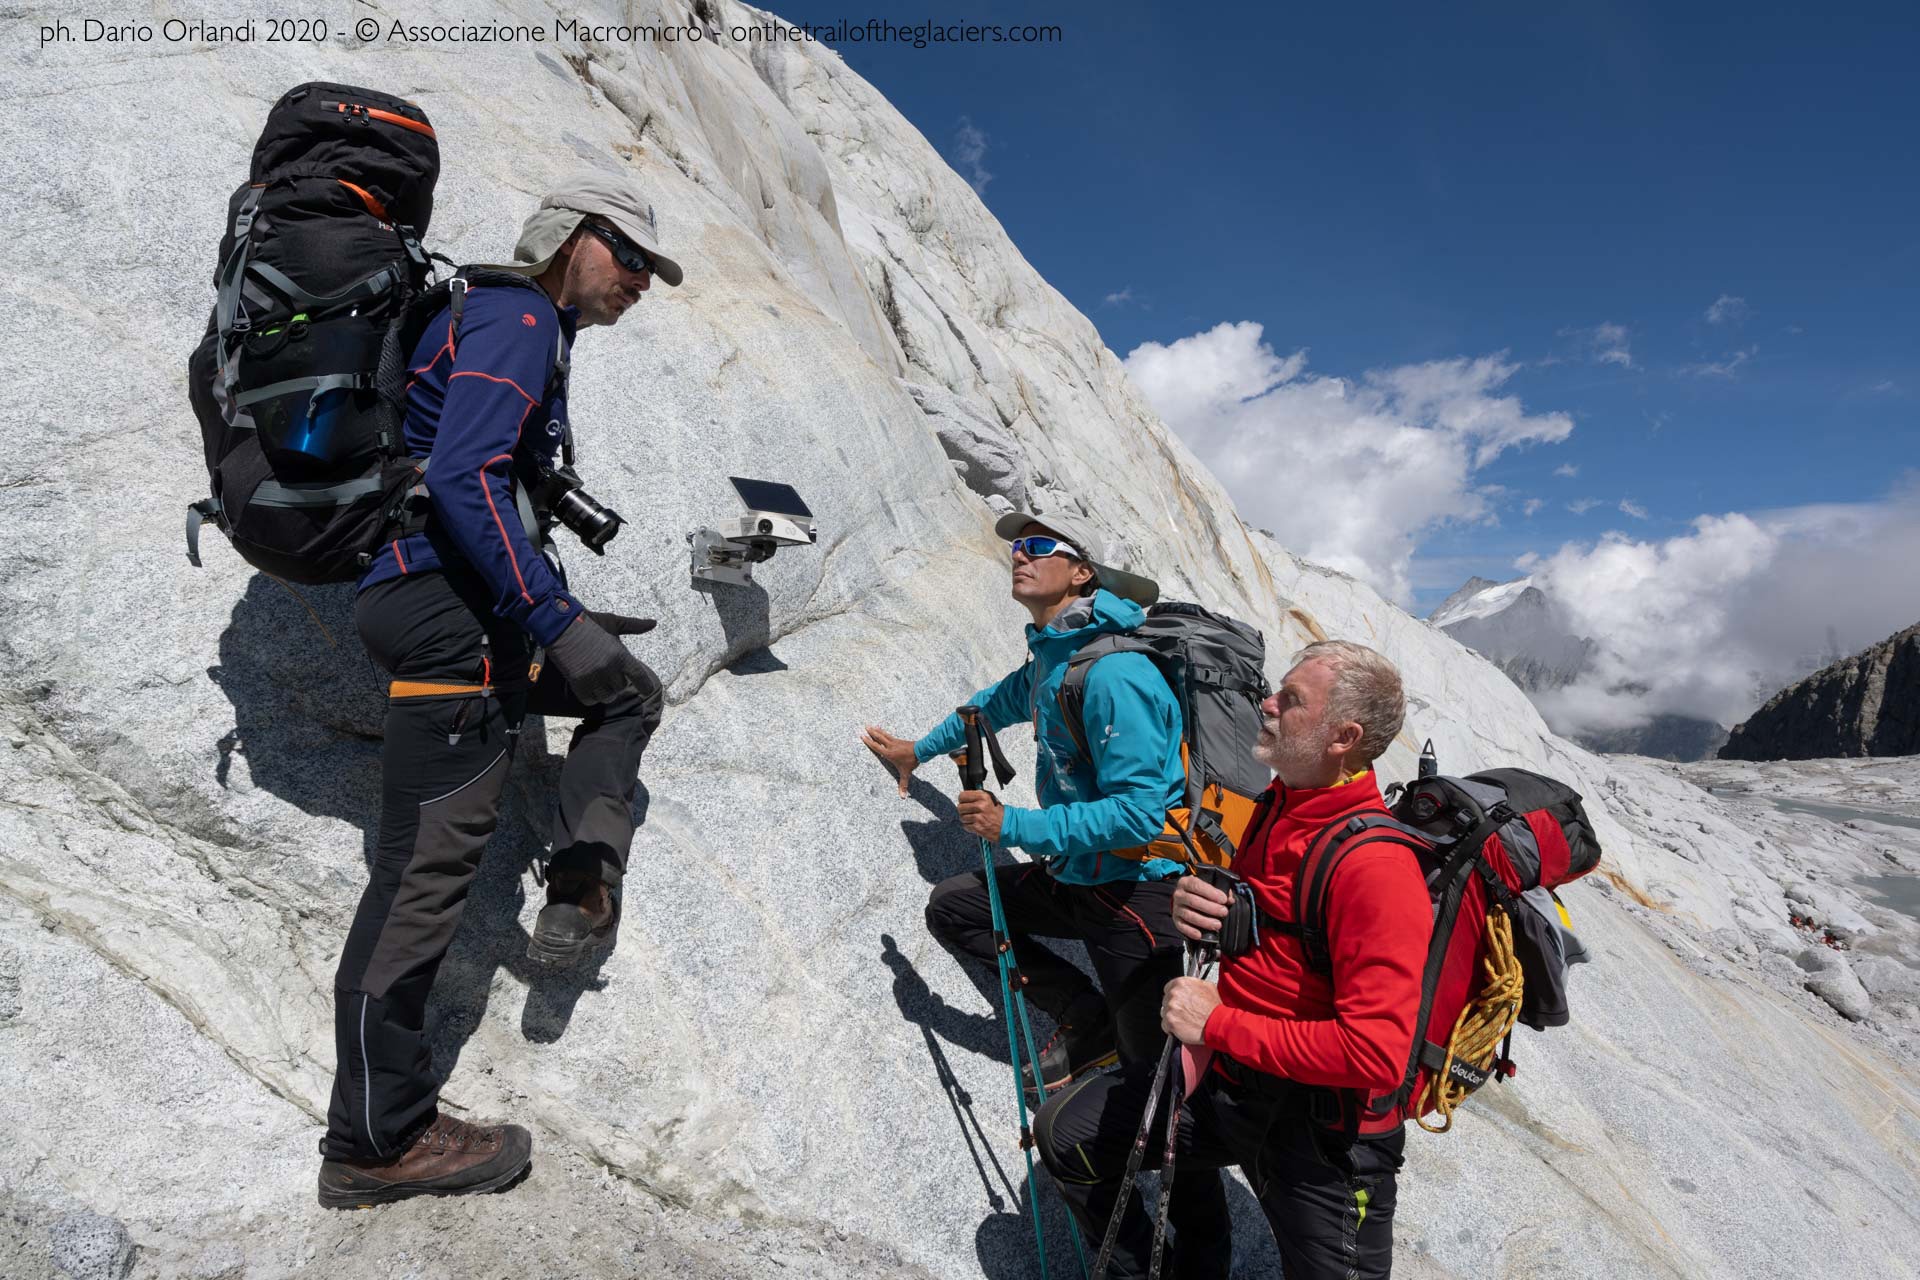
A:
(1866, 705)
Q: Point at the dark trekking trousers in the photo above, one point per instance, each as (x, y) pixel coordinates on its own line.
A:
(1328, 1199)
(445, 760)
(1127, 928)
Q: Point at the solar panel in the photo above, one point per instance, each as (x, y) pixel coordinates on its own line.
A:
(770, 495)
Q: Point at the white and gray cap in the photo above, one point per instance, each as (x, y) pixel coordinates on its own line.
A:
(586, 192)
(1108, 556)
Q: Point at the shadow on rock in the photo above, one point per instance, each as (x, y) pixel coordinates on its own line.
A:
(1004, 1242)
(907, 989)
(941, 846)
(492, 941)
(746, 618)
(309, 711)
(308, 707)
(756, 662)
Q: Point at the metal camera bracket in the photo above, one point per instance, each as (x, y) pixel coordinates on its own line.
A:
(717, 559)
(775, 517)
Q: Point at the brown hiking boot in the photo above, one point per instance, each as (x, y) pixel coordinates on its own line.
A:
(580, 915)
(451, 1158)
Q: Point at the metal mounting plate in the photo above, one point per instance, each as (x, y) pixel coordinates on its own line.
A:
(728, 566)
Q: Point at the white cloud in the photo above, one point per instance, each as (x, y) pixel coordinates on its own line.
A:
(1886, 386)
(1628, 507)
(1605, 343)
(1722, 368)
(1566, 470)
(1580, 506)
(1346, 472)
(1533, 505)
(969, 155)
(1714, 621)
(1610, 345)
(1120, 297)
(1727, 309)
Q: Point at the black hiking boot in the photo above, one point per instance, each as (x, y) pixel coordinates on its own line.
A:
(581, 915)
(1083, 1042)
(451, 1158)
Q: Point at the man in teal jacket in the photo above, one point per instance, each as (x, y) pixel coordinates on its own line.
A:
(1078, 887)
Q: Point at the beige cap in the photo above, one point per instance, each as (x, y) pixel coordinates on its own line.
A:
(1105, 555)
(589, 191)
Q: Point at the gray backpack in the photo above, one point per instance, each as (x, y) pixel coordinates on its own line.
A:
(1216, 667)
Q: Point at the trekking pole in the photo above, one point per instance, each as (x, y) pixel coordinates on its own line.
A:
(1137, 1155)
(1013, 1000)
(1176, 1093)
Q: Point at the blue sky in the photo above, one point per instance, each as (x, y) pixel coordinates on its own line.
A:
(1572, 194)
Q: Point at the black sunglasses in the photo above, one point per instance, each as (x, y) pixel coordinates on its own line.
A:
(625, 252)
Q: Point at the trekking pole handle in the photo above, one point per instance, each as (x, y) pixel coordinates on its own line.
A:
(973, 764)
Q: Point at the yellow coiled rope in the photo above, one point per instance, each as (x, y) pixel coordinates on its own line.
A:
(1482, 1025)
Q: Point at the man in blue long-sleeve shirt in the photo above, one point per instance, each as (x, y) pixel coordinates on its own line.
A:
(459, 610)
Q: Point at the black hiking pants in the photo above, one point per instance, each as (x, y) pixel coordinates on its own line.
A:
(447, 751)
(1328, 1200)
(1127, 928)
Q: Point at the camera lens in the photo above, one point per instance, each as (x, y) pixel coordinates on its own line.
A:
(594, 524)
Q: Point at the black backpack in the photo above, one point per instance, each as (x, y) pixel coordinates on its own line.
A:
(299, 380)
(1216, 668)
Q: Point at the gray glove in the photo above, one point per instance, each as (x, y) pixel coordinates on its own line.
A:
(596, 666)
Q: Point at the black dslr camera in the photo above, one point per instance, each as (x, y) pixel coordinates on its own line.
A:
(557, 490)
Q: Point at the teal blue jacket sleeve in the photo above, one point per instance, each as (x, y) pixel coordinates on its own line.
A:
(1133, 735)
(1005, 701)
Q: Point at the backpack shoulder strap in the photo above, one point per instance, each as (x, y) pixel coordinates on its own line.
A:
(1073, 685)
(470, 277)
(1313, 878)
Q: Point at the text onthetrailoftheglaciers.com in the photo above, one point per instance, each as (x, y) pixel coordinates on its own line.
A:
(368, 30)
(844, 32)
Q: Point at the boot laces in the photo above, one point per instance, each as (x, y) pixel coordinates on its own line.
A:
(450, 1133)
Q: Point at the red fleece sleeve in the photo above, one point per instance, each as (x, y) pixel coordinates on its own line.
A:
(1379, 921)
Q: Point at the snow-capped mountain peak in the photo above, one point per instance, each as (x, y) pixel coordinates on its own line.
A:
(1479, 598)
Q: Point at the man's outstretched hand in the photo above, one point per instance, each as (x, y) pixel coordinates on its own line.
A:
(897, 752)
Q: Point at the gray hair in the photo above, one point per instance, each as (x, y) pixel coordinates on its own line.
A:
(1366, 690)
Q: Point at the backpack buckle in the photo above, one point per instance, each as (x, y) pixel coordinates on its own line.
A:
(412, 245)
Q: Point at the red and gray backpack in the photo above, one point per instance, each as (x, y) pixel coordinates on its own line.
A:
(1493, 846)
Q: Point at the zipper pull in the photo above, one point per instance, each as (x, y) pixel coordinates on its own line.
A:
(459, 723)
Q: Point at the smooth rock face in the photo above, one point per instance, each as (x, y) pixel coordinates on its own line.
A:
(776, 1070)
(1866, 705)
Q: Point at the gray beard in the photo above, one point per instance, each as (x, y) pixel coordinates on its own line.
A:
(1290, 759)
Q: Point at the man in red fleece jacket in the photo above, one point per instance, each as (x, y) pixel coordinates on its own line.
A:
(1282, 1053)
